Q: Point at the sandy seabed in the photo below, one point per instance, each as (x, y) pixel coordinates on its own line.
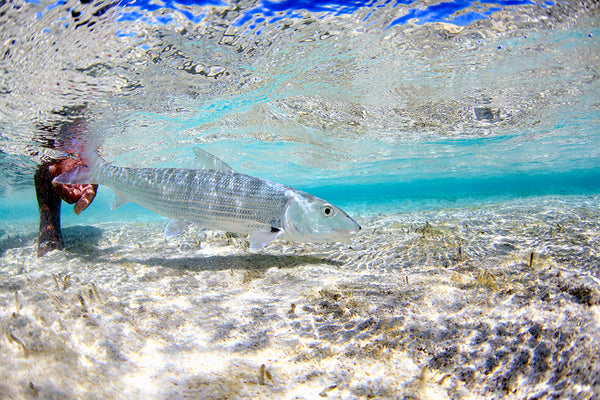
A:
(421, 305)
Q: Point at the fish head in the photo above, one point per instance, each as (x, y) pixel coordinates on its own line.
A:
(310, 219)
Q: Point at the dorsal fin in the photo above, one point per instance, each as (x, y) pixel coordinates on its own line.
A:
(205, 160)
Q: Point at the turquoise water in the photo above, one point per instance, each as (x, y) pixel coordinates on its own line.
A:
(464, 137)
(368, 103)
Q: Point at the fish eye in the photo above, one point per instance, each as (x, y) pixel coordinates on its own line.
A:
(327, 210)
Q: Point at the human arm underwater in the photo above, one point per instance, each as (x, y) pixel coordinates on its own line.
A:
(80, 195)
(49, 196)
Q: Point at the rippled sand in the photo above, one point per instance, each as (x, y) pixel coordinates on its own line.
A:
(436, 304)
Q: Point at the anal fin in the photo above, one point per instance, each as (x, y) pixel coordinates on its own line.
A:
(176, 228)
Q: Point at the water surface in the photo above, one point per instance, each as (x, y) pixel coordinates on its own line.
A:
(314, 94)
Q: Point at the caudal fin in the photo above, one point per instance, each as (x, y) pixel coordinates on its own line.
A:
(91, 158)
(80, 175)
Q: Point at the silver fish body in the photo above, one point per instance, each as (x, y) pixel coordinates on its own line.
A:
(221, 199)
(211, 198)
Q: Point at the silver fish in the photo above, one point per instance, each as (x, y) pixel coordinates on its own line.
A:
(214, 196)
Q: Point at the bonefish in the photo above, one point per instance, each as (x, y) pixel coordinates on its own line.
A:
(215, 196)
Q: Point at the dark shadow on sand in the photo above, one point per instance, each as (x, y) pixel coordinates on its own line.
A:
(74, 237)
(78, 234)
(14, 241)
(242, 261)
(82, 241)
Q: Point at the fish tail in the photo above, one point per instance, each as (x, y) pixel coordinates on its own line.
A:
(82, 174)
(91, 158)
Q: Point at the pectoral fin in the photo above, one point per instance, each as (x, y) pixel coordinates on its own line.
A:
(176, 228)
(261, 239)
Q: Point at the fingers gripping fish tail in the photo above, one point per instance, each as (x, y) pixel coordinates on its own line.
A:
(91, 159)
(89, 155)
(81, 174)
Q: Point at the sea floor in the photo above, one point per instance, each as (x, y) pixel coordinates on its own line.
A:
(421, 305)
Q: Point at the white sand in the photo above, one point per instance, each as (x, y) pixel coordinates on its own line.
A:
(427, 305)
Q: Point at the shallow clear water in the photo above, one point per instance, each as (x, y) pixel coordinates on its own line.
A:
(464, 136)
(315, 94)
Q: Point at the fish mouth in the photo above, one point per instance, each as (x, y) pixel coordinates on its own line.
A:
(338, 236)
(351, 231)
(355, 230)
(346, 233)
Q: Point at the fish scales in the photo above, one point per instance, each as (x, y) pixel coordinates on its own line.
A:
(211, 198)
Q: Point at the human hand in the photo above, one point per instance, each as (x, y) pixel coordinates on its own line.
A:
(80, 195)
